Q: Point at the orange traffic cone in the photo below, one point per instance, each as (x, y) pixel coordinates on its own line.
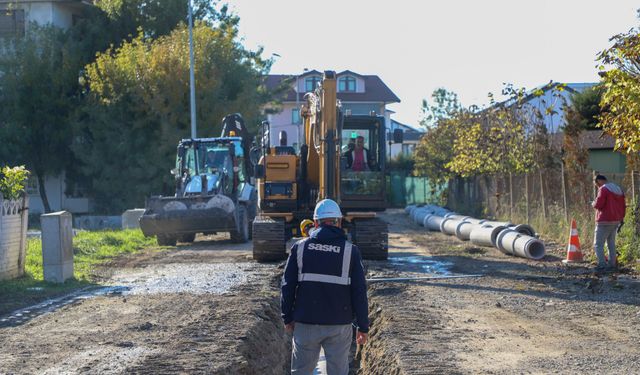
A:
(574, 254)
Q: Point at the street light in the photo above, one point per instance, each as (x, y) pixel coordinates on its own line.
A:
(192, 79)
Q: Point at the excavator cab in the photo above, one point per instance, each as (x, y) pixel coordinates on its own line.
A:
(362, 162)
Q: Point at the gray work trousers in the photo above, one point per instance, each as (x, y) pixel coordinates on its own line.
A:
(307, 340)
(605, 232)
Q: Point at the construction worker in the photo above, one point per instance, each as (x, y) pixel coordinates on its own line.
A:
(323, 287)
(610, 207)
(359, 158)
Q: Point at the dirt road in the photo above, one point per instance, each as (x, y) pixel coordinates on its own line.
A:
(208, 308)
(522, 317)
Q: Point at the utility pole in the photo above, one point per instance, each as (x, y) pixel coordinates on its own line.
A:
(192, 83)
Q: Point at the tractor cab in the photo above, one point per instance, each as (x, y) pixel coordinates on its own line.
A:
(210, 162)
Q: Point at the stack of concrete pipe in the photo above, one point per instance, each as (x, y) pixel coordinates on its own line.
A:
(513, 239)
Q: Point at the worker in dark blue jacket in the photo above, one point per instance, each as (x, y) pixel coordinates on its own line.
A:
(323, 288)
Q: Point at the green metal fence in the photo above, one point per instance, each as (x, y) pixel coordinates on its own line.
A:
(403, 190)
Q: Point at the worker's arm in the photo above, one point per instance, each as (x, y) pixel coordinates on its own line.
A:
(598, 204)
(359, 291)
(289, 284)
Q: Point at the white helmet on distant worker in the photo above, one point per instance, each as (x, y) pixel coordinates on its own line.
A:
(327, 209)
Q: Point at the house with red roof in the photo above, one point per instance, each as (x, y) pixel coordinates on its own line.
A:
(358, 93)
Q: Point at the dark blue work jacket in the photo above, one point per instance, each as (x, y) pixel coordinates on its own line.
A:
(324, 282)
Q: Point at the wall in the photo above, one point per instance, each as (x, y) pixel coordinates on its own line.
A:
(282, 121)
(13, 231)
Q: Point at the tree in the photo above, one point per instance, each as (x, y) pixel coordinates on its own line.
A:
(138, 107)
(621, 95)
(445, 104)
(155, 18)
(38, 81)
(620, 102)
(581, 115)
(435, 149)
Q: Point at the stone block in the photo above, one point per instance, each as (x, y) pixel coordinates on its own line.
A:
(58, 273)
(131, 218)
(57, 246)
(90, 222)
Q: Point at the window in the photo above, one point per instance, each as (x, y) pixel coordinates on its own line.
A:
(310, 83)
(347, 84)
(11, 23)
(295, 116)
(360, 153)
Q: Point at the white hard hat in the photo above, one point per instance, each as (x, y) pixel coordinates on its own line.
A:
(327, 209)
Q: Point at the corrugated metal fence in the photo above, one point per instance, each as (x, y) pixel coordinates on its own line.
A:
(403, 190)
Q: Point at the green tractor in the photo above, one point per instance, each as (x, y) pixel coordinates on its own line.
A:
(213, 190)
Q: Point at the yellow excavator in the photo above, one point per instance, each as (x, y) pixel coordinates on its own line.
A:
(342, 158)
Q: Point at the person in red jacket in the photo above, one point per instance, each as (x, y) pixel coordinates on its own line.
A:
(610, 207)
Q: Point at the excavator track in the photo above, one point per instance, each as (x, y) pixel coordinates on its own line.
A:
(269, 239)
(371, 235)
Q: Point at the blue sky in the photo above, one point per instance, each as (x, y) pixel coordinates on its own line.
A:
(468, 46)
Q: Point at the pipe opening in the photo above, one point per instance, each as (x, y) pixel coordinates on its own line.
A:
(536, 250)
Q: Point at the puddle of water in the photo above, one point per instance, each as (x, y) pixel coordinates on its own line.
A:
(420, 263)
(24, 315)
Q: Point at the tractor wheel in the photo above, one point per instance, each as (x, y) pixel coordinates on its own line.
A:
(187, 238)
(269, 239)
(167, 240)
(372, 238)
(241, 234)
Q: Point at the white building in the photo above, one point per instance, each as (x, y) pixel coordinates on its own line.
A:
(16, 15)
(550, 100)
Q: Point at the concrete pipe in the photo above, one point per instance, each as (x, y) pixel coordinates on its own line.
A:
(524, 229)
(414, 212)
(409, 208)
(440, 212)
(485, 235)
(449, 225)
(432, 222)
(511, 242)
(420, 214)
(463, 230)
(453, 215)
(497, 223)
(473, 220)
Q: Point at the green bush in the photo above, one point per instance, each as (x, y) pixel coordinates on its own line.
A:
(628, 241)
(12, 181)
